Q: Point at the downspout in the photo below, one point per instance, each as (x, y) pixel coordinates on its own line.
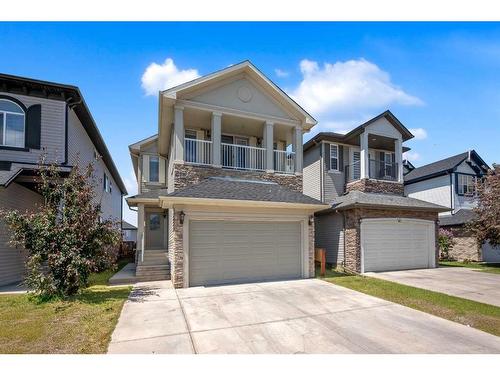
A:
(451, 193)
(343, 260)
(321, 187)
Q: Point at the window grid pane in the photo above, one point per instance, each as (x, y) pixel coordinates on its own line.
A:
(154, 169)
(14, 130)
(334, 161)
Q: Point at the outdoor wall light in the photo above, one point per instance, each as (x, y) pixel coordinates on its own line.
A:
(181, 217)
(311, 220)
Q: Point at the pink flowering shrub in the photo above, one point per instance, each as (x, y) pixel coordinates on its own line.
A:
(446, 242)
(64, 237)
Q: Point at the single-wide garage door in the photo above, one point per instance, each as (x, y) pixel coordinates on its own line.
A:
(231, 252)
(397, 244)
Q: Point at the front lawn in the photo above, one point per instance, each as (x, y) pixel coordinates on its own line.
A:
(475, 314)
(483, 267)
(80, 324)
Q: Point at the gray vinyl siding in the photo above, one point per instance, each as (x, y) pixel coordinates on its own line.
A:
(81, 149)
(311, 173)
(52, 138)
(329, 234)
(333, 181)
(11, 259)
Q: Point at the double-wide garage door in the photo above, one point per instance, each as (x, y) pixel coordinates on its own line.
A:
(229, 252)
(397, 244)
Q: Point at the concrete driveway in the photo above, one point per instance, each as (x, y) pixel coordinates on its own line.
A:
(300, 316)
(456, 281)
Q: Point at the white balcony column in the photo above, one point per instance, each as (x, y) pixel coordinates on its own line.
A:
(398, 152)
(297, 148)
(140, 230)
(363, 146)
(178, 133)
(268, 137)
(216, 138)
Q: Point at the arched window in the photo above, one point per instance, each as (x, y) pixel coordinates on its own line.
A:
(12, 120)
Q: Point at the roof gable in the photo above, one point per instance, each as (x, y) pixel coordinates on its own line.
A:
(243, 94)
(245, 67)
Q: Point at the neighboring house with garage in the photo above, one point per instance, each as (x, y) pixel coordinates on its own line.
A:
(452, 182)
(129, 232)
(220, 186)
(45, 118)
(370, 225)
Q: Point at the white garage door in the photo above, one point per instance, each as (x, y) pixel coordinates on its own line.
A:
(397, 244)
(229, 252)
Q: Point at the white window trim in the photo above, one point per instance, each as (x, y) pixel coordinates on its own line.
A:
(107, 184)
(461, 185)
(4, 124)
(157, 157)
(337, 157)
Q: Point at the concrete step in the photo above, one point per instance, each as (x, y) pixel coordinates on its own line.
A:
(152, 278)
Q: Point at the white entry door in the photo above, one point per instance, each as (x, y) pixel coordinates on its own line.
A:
(391, 244)
(231, 251)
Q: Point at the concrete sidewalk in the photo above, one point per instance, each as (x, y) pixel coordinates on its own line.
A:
(455, 281)
(300, 316)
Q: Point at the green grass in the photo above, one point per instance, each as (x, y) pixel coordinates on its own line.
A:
(475, 314)
(80, 324)
(482, 267)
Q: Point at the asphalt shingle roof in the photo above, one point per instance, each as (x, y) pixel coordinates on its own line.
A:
(436, 167)
(126, 225)
(7, 176)
(359, 198)
(458, 218)
(237, 189)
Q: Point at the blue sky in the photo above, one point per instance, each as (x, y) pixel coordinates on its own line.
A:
(440, 79)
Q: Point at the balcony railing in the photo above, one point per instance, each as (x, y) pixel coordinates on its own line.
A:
(243, 157)
(198, 151)
(284, 161)
(381, 170)
(377, 170)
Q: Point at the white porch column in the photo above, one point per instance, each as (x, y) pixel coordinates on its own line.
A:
(297, 148)
(216, 138)
(363, 146)
(398, 152)
(178, 133)
(268, 139)
(140, 231)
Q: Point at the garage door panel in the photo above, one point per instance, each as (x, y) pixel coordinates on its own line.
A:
(394, 245)
(243, 251)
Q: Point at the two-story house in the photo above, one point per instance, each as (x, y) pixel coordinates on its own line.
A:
(220, 186)
(370, 224)
(51, 119)
(452, 182)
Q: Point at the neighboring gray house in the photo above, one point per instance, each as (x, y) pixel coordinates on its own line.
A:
(452, 182)
(220, 185)
(38, 117)
(370, 225)
(129, 232)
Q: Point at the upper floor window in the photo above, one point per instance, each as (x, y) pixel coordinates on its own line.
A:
(154, 169)
(12, 118)
(107, 184)
(466, 184)
(334, 157)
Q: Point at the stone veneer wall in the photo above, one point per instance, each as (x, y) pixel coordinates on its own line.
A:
(352, 230)
(186, 174)
(176, 249)
(465, 246)
(375, 186)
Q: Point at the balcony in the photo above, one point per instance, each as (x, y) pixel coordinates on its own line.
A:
(377, 170)
(241, 157)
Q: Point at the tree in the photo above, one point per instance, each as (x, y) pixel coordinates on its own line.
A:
(64, 237)
(486, 224)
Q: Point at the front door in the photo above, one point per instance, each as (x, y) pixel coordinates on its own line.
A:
(154, 230)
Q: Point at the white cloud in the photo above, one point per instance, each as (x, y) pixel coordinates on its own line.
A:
(346, 91)
(411, 156)
(419, 133)
(158, 77)
(281, 73)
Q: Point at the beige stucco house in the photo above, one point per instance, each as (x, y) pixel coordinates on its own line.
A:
(220, 186)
